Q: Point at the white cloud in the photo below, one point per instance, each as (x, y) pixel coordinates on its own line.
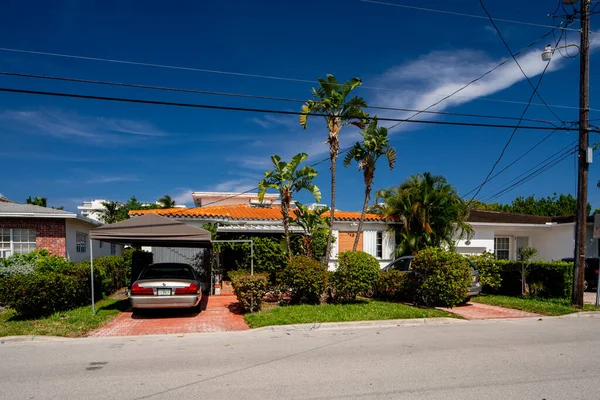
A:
(113, 179)
(490, 29)
(183, 196)
(234, 185)
(426, 80)
(68, 125)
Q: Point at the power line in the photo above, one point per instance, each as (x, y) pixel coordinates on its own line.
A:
(515, 161)
(258, 110)
(481, 77)
(248, 96)
(274, 77)
(517, 62)
(487, 178)
(534, 172)
(459, 14)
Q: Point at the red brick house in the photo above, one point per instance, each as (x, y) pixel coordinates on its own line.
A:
(26, 227)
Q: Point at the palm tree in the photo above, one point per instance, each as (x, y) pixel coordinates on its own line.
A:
(375, 144)
(311, 221)
(331, 100)
(166, 201)
(110, 214)
(37, 201)
(526, 254)
(430, 209)
(287, 179)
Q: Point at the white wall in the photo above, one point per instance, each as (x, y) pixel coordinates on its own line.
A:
(552, 242)
(74, 226)
(483, 240)
(555, 243)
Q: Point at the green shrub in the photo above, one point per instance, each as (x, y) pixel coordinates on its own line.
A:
(36, 261)
(489, 270)
(306, 278)
(250, 290)
(16, 268)
(440, 278)
(357, 272)
(42, 294)
(393, 285)
(551, 279)
(234, 274)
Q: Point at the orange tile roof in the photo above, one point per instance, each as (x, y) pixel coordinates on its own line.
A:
(244, 212)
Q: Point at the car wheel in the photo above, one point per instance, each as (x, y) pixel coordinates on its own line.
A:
(466, 300)
(585, 285)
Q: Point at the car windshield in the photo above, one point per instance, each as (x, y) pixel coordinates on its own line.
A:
(167, 272)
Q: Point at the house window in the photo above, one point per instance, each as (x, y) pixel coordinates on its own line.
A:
(81, 239)
(13, 241)
(101, 244)
(502, 248)
(379, 245)
(113, 249)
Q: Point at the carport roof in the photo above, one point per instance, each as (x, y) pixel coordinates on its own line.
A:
(152, 230)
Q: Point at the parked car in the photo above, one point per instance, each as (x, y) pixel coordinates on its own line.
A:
(166, 285)
(404, 264)
(590, 272)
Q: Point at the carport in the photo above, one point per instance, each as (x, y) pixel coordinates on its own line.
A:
(148, 230)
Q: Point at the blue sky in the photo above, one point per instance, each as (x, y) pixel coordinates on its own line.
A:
(71, 150)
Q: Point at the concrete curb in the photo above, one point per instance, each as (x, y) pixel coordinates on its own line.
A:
(33, 339)
(361, 324)
(583, 314)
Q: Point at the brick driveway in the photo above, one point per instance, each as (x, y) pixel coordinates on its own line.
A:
(218, 314)
(477, 311)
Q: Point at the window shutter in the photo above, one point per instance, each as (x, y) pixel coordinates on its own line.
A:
(389, 245)
(369, 242)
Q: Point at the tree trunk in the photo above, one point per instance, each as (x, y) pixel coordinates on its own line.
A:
(285, 209)
(334, 146)
(362, 215)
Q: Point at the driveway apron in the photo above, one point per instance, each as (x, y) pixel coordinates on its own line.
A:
(218, 314)
(477, 311)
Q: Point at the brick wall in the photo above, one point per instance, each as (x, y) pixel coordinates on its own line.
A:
(346, 241)
(50, 233)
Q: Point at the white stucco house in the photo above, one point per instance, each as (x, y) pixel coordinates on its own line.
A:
(92, 209)
(244, 214)
(504, 234)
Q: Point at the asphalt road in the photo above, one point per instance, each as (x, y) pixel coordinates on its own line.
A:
(512, 359)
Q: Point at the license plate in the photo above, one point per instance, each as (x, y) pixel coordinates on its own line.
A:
(163, 292)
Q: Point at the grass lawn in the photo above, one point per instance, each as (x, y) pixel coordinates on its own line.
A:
(532, 304)
(362, 310)
(72, 323)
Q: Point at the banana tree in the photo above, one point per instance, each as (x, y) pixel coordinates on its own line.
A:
(375, 144)
(311, 221)
(331, 101)
(287, 179)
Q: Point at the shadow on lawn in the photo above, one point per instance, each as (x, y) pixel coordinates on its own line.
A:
(121, 305)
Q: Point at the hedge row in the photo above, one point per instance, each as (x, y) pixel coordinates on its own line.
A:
(51, 283)
(552, 279)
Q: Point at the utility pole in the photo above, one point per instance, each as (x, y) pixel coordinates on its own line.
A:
(582, 176)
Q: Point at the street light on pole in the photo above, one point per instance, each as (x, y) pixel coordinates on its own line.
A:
(584, 156)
